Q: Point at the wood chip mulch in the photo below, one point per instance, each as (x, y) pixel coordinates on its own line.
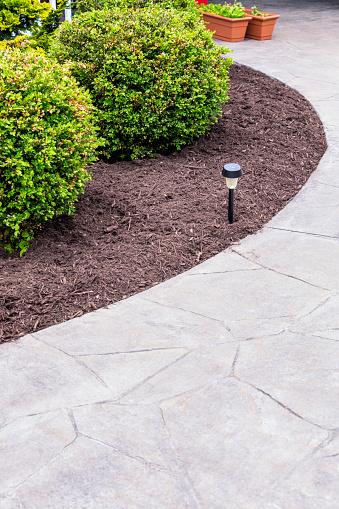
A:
(142, 222)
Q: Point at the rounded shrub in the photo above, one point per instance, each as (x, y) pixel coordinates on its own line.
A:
(155, 75)
(47, 137)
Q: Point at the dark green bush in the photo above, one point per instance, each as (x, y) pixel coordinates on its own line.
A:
(47, 137)
(155, 75)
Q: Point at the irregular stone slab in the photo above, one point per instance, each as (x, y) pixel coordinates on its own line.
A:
(136, 430)
(313, 210)
(328, 110)
(316, 89)
(323, 321)
(230, 297)
(260, 327)
(90, 475)
(302, 373)
(202, 367)
(123, 372)
(235, 442)
(36, 378)
(227, 261)
(131, 325)
(314, 483)
(29, 443)
(310, 255)
(327, 172)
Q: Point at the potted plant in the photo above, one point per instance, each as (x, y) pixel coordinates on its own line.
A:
(228, 22)
(261, 26)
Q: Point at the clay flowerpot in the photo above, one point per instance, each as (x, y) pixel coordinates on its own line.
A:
(226, 29)
(260, 28)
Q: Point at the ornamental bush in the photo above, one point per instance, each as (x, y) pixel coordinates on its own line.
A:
(91, 5)
(155, 75)
(29, 19)
(47, 137)
(17, 17)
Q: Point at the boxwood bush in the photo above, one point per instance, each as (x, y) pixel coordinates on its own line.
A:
(47, 137)
(155, 75)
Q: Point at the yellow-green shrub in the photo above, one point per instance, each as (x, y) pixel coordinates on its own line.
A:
(47, 137)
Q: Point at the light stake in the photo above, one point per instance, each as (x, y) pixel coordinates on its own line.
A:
(232, 172)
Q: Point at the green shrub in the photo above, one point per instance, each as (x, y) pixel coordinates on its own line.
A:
(19, 16)
(92, 5)
(155, 75)
(47, 137)
(30, 18)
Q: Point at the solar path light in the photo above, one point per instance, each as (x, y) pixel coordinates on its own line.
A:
(232, 172)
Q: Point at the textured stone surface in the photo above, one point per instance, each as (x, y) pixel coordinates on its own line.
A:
(328, 173)
(124, 372)
(9, 502)
(137, 431)
(287, 366)
(29, 443)
(36, 378)
(90, 474)
(311, 258)
(134, 325)
(314, 210)
(314, 482)
(230, 296)
(236, 442)
(198, 369)
(323, 321)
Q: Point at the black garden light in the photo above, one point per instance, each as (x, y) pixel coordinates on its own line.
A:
(232, 172)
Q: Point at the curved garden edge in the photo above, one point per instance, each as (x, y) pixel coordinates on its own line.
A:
(142, 222)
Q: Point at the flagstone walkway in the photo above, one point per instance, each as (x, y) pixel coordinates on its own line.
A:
(217, 389)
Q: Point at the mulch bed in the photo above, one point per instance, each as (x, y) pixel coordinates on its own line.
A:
(142, 222)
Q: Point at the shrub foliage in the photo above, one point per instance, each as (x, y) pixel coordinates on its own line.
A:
(91, 5)
(47, 137)
(155, 75)
(29, 19)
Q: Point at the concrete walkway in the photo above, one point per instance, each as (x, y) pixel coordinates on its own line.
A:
(218, 389)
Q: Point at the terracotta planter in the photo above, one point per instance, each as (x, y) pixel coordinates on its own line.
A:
(226, 29)
(260, 28)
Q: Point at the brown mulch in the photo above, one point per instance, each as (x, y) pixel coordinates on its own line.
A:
(142, 222)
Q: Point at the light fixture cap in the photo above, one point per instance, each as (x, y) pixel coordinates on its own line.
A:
(232, 171)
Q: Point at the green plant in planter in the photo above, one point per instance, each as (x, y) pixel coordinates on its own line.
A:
(227, 10)
(47, 137)
(255, 11)
(156, 77)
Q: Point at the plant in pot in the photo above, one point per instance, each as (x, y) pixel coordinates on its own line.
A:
(261, 26)
(201, 2)
(228, 22)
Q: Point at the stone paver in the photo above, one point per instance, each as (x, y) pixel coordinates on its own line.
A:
(216, 389)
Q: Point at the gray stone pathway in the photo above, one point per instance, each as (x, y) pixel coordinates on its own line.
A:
(218, 389)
